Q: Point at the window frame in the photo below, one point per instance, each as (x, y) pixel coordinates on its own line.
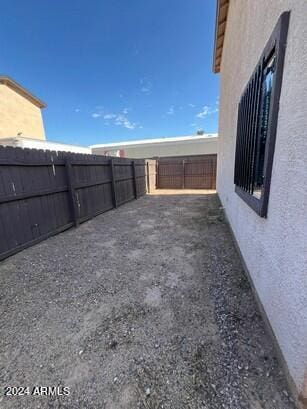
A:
(276, 45)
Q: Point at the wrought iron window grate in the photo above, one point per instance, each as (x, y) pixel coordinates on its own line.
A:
(257, 122)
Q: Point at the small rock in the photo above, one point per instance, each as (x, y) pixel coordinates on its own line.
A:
(147, 391)
(81, 352)
(113, 344)
(115, 379)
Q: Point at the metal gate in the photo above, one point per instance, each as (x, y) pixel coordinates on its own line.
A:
(189, 172)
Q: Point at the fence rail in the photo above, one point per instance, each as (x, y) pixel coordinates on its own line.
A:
(44, 192)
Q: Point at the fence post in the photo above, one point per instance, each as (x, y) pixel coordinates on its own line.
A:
(183, 174)
(71, 191)
(134, 180)
(113, 184)
(148, 177)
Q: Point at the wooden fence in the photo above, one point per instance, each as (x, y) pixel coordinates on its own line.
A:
(189, 172)
(43, 193)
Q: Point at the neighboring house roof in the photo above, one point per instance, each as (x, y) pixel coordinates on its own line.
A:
(158, 140)
(220, 27)
(4, 79)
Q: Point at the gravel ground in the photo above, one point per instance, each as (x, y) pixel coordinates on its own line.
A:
(145, 307)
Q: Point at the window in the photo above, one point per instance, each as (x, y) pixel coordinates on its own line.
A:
(257, 122)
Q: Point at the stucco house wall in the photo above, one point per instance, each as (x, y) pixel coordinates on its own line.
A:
(18, 114)
(274, 249)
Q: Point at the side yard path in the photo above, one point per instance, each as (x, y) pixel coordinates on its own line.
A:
(143, 307)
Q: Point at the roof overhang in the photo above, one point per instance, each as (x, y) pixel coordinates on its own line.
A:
(220, 27)
(21, 90)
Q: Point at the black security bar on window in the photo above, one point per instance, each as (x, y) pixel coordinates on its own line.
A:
(257, 122)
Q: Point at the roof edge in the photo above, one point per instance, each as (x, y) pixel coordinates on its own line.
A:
(42, 141)
(6, 80)
(205, 137)
(222, 7)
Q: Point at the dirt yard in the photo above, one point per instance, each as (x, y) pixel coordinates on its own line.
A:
(144, 307)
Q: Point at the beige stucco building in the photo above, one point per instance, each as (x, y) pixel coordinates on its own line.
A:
(153, 148)
(263, 44)
(20, 111)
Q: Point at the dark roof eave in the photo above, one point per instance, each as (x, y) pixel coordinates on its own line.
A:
(220, 27)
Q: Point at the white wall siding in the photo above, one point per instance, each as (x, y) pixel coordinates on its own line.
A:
(274, 249)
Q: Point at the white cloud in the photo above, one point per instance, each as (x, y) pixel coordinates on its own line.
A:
(146, 86)
(129, 125)
(191, 105)
(171, 110)
(118, 119)
(77, 109)
(135, 50)
(203, 113)
(146, 90)
(122, 120)
(206, 111)
(109, 116)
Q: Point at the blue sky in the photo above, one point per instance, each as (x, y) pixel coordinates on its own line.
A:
(114, 70)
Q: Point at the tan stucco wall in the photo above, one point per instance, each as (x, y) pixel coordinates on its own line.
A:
(274, 249)
(18, 114)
